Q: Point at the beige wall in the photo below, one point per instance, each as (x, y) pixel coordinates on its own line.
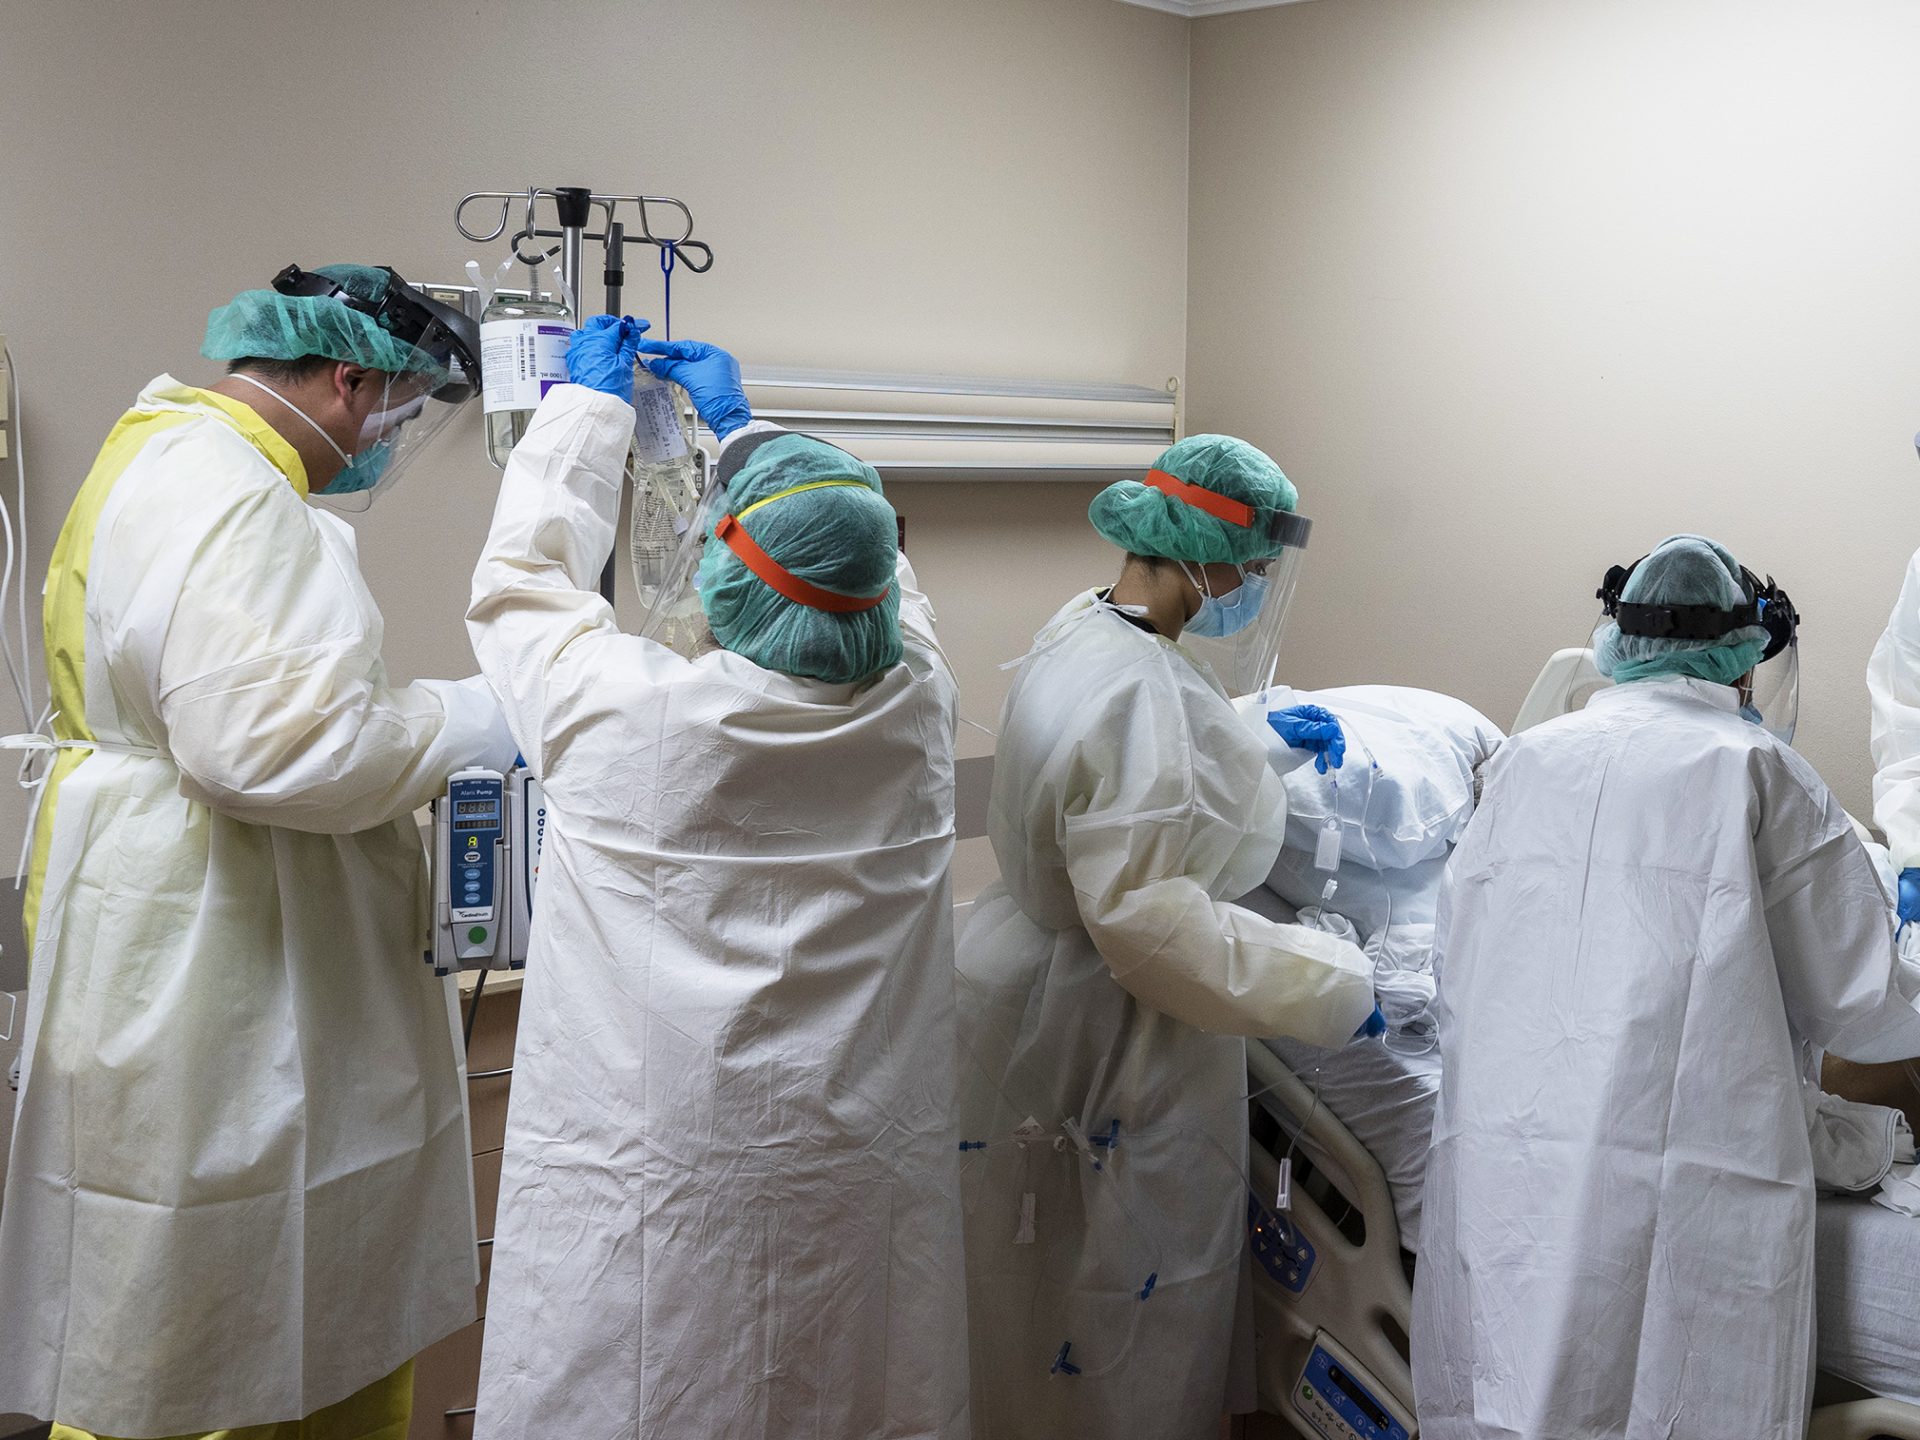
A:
(1512, 288)
(987, 187)
(1515, 288)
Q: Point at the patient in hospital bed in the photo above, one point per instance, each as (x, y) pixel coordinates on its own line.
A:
(1403, 797)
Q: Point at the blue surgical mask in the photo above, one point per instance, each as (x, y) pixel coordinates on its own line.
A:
(1229, 614)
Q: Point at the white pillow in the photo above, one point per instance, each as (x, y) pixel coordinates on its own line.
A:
(1406, 791)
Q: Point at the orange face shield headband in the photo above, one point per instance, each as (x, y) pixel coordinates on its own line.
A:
(781, 580)
(1212, 502)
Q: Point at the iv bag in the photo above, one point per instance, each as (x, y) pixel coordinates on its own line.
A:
(523, 354)
(664, 530)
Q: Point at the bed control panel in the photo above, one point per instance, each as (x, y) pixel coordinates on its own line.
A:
(1278, 1247)
(1339, 1400)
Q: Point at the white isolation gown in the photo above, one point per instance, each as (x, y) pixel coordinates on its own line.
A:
(1655, 906)
(1105, 985)
(729, 1201)
(1893, 687)
(239, 1186)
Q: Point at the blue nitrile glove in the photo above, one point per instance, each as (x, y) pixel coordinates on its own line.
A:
(709, 375)
(1314, 728)
(602, 353)
(1373, 1027)
(1908, 905)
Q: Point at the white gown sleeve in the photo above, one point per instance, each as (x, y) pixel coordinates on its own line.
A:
(916, 615)
(270, 686)
(1827, 917)
(538, 623)
(1893, 687)
(1157, 810)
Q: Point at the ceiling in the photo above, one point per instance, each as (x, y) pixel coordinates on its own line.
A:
(1194, 9)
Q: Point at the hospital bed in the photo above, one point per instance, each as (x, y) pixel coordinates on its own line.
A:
(1332, 1285)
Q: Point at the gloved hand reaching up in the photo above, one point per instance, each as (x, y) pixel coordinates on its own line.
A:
(1908, 903)
(1312, 728)
(709, 375)
(602, 353)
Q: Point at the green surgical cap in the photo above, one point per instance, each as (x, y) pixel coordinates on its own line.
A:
(1146, 521)
(1682, 570)
(266, 325)
(839, 537)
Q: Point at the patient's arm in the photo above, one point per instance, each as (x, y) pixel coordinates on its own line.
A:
(1892, 1085)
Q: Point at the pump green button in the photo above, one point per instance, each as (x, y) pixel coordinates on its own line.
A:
(477, 935)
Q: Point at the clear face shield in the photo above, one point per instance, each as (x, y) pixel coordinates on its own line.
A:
(439, 377)
(1770, 695)
(411, 413)
(1770, 692)
(1246, 652)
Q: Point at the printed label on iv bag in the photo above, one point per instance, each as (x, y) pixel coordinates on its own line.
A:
(656, 428)
(520, 360)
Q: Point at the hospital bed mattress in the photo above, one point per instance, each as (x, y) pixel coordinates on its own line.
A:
(1384, 1092)
(1867, 1260)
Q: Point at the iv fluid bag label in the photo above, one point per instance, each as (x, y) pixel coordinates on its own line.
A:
(520, 360)
(657, 434)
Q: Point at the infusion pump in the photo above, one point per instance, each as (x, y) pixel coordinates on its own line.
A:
(488, 832)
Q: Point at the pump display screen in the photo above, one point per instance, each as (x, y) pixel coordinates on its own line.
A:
(486, 809)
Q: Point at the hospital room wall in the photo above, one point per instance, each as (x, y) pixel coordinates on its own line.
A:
(1515, 289)
(995, 188)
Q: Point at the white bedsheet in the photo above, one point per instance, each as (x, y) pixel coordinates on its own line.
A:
(1867, 1259)
(1867, 1267)
(1384, 1094)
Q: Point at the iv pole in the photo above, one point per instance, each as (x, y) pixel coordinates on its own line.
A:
(574, 207)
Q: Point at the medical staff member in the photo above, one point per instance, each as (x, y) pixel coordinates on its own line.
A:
(239, 1178)
(1893, 687)
(1656, 907)
(729, 1204)
(1107, 978)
